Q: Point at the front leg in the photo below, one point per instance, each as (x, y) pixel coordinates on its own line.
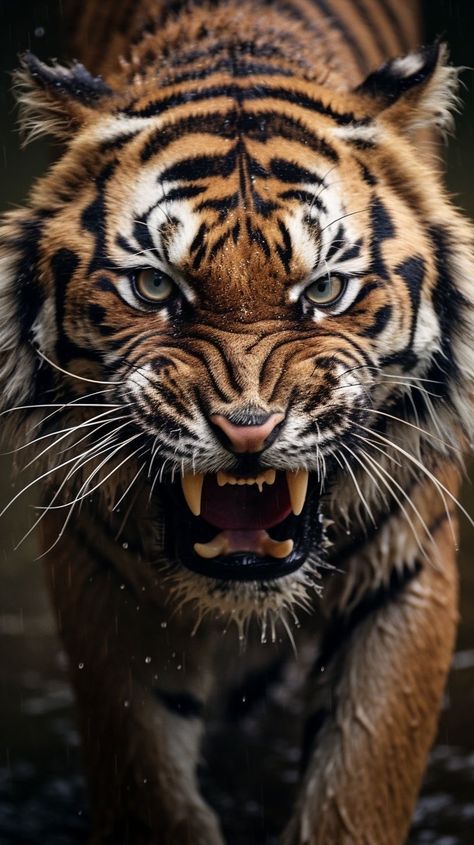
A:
(375, 699)
(141, 683)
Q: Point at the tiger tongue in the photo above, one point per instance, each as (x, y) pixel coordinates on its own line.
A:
(230, 542)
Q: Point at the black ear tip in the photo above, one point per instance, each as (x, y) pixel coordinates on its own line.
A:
(75, 81)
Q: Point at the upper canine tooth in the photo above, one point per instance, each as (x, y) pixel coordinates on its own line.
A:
(192, 490)
(297, 487)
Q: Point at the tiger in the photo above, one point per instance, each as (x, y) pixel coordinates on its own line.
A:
(236, 348)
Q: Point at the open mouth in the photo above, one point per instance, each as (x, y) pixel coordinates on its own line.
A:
(244, 527)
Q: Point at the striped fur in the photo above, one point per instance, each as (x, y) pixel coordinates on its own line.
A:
(247, 151)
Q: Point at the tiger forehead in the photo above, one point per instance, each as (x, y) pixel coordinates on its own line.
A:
(239, 209)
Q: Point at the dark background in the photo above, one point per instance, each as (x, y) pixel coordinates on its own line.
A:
(41, 792)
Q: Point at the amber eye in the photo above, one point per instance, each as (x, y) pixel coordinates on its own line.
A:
(325, 291)
(153, 285)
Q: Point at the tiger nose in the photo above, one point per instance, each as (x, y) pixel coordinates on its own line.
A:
(247, 437)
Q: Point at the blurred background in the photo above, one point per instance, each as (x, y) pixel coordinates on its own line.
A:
(42, 797)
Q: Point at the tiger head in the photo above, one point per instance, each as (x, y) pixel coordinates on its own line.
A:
(260, 287)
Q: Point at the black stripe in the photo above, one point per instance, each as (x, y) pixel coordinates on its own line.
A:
(395, 23)
(285, 251)
(256, 236)
(233, 67)
(287, 171)
(232, 123)
(363, 293)
(303, 197)
(201, 167)
(377, 36)
(338, 24)
(337, 243)
(217, 246)
(222, 205)
(412, 271)
(382, 230)
(240, 94)
(351, 252)
(381, 319)
(450, 306)
(94, 215)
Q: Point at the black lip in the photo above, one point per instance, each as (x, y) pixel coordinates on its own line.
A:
(183, 530)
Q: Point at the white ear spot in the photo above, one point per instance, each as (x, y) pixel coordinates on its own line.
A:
(408, 65)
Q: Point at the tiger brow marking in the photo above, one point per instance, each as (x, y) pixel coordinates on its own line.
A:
(259, 126)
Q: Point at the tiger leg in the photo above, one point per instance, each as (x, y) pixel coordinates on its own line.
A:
(375, 700)
(140, 689)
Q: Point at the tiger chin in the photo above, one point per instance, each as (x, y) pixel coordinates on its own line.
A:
(236, 352)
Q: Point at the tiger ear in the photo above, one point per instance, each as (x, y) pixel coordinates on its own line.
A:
(416, 91)
(54, 100)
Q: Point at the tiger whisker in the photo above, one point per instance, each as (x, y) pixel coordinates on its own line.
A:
(122, 497)
(77, 466)
(343, 217)
(39, 478)
(68, 373)
(358, 489)
(422, 431)
(442, 489)
(385, 481)
(64, 433)
(88, 492)
(377, 468)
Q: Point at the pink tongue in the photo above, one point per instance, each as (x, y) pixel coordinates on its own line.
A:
(243, 508)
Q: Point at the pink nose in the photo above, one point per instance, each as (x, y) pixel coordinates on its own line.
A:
(247, 438)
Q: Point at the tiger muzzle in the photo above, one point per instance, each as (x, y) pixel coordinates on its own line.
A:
(253, 523)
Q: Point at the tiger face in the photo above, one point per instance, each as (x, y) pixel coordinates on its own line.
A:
(259, 282)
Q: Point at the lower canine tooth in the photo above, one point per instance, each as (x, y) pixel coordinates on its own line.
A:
(192, 490)
(278, 549)
(297, 487)
(218, 546)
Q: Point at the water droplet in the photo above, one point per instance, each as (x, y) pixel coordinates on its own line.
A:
(80, 665)
(125, 545)
(147, 659)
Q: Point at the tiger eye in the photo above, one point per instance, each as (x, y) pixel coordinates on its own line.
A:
(153, 285)
(325, 291)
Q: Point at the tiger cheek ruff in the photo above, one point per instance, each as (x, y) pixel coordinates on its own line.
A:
(236, 350)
